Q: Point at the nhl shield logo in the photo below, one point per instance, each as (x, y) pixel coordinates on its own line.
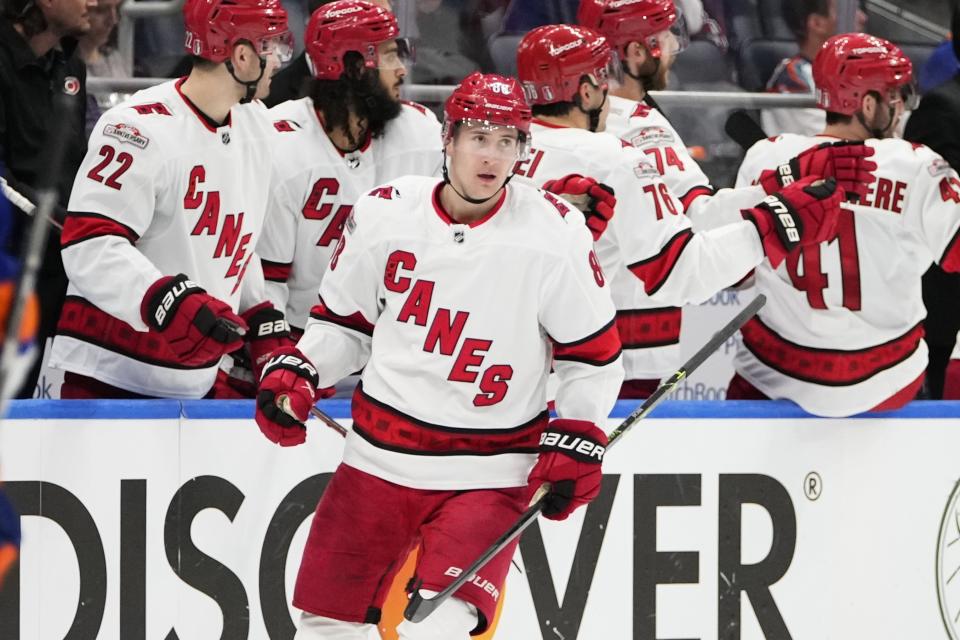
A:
(458, 236)
(225, 137)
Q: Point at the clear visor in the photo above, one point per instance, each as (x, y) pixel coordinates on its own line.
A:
(611, 71)
(280, 45)
(396, 54)
(907, 94)
(673, 40)
(494, 141)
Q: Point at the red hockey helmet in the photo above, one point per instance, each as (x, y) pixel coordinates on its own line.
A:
(552, 60)
(349, 25)
(491, 100)
(850, 65)
(215, 26)
(624, 21)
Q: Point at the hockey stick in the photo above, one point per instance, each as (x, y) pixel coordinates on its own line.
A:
(419, 607)
(284, 403)
(37, 239)
(743, 129)
(327, 420)
(23, 203)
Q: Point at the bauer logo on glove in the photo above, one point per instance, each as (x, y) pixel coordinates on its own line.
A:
(166, 305)
(572, 444)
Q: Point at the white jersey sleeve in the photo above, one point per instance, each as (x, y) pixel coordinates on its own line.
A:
(676, 265)
(112, 204)
(338, 334)
(935, 203)
(578, 315)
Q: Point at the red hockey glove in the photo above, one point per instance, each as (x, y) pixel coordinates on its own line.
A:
(804, 213)
(845, 161)
(198, 327)
(268, 332)
(290, 380)
(571, 452)
(595, 199)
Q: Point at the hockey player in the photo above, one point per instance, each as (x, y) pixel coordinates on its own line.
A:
(452, 295)
(650, 254)
(165, 212)
(841, 332)
(350, 134)
(646, 36)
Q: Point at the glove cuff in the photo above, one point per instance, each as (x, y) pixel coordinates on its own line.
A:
(291, 359)
(265, 321)
(581, 440)
(163, 298)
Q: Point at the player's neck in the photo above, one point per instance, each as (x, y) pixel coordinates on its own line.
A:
(631, 89)
(576, 119)
(212, 92)
(462, 211)
(852, 130)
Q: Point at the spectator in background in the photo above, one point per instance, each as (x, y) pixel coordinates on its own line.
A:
(936, 123)
(812, 23)
(98, 49)
(38, 57)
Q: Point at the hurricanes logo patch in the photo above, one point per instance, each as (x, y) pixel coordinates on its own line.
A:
(645, 170)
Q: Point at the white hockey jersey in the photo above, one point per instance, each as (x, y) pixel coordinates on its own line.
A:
(842, 328)
(160, 192)
(318, 188)
(649, 251)
(647, 129)
(455, 327)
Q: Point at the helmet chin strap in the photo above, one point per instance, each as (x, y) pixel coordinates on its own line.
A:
(592, 114)
(249, 85)
(875, 132)
(446, 180)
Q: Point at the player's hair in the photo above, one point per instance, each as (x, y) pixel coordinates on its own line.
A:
(555, 109)
(358, 90)
(27, 14)
(838, 118)
(203, 64)
(796, 12)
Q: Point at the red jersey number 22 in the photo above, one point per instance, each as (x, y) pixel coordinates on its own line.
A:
(112, 180)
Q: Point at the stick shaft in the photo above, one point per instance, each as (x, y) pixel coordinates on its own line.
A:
(419, 608)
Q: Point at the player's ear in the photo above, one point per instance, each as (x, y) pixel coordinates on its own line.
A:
(636, 53)
(868, 104)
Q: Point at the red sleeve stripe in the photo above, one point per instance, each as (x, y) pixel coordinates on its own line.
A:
(85, 226)
(694, 193)
(276, 271)
(354, 322)
(649, 328)
(950, 261)
(599, 348)
(655, 270)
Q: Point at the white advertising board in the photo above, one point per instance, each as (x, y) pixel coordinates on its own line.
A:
(161, 520)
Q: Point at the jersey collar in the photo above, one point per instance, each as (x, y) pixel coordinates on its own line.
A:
(205, 120)
(443, 215)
